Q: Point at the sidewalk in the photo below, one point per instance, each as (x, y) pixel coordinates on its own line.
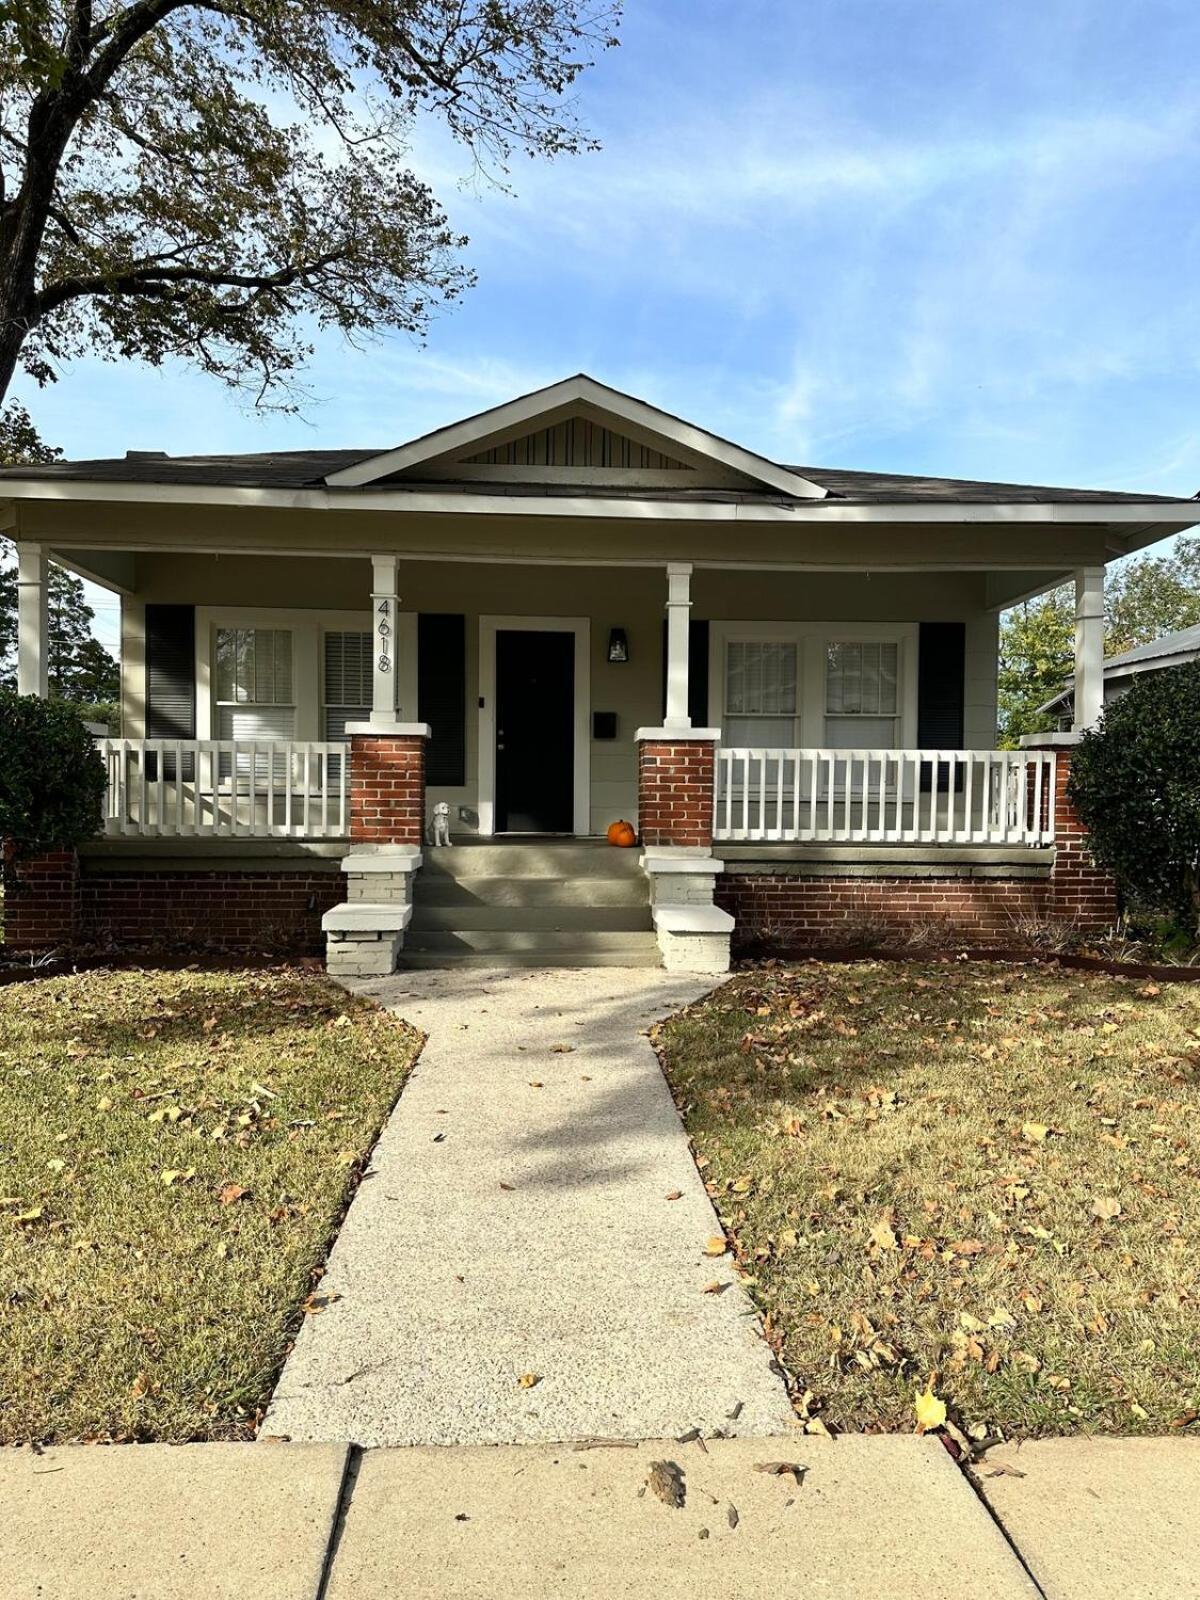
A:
(526, 1257)
(868, 1517)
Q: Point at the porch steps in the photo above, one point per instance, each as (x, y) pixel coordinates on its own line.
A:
(531, 904)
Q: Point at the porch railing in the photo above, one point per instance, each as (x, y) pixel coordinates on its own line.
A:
(293, 788)
(985, 797)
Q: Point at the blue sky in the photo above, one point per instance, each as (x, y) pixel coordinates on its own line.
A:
(915, 235)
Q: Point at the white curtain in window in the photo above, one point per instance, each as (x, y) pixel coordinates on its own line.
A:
(862, 707)
(254, 684)
(348, 668)
(761, 692)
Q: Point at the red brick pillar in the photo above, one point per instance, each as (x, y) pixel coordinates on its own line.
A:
(1080, 891)
(387, 783)
(676, 786)
(42, 902)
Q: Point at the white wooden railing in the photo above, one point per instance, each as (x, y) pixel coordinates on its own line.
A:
(292, 788)
(987, 797)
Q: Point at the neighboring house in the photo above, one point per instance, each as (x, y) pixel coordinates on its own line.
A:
(568, 609)
(1160, 655)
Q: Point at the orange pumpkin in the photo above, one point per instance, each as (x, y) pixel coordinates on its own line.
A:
(622, 833)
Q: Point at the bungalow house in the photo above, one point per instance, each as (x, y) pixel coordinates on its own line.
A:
(1160, 655)
(570, 609)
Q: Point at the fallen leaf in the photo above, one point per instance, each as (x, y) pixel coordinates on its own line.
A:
(527, 1380)
(731, 1516)
(230, 1193)
(782, 1469)
(715, 1287)
(675, 1194)
(562, 1049)
(1106, 1207)
(177, 1175)
(931, 1412)
(1034, 1131)
(666, 1481)
(716, 1246)
(883, 1235)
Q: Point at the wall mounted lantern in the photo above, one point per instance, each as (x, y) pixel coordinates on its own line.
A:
(618, 645)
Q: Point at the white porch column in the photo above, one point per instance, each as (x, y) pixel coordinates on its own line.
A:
(679, 608)
(385, 606)
(1089, 647)
(33, 657)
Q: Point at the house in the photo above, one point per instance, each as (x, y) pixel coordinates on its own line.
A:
(566, 610)
(1160, 655)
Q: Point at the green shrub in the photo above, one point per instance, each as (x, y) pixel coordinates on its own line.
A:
(52, 779)
(1135, 781)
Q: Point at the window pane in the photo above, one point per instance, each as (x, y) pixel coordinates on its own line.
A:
(861, 679)
(226, 663)
(861, 733)
(254, 666)
(773, 733)
(348, 668)
(760, 678)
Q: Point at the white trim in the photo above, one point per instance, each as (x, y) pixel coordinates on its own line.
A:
(33, 621)
(1089, 648)
(489, 627)
(583, 391)
(1144, 515)
(811, 637)
(390, 730)
(687, 735)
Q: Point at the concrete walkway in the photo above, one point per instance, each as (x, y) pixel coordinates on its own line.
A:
(513, 1267)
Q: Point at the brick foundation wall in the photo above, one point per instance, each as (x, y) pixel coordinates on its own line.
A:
(265, 910)
(675, 791)
(778, 910)
(1081, 891)
(42, 903)
(387, 788)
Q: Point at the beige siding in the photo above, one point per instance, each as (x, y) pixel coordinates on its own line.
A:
(310, 590)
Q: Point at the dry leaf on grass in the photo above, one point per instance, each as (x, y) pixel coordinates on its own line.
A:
(1106, 1207)
(931, 1412)
(1035, 1132)
(666, 1481)
(230, 1193)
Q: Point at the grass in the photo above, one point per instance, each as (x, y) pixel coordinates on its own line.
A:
(176, 1149)
(981, 1177)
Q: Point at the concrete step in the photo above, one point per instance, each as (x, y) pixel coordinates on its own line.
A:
(545, 942)
(442, 889)
(591, 859)
(431, 960)
(633, 918)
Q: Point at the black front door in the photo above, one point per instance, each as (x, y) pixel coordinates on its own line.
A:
(535, 732)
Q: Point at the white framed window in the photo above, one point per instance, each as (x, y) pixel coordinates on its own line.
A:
(254, 696)
(762, 692)
(862, 694)
(346, 679)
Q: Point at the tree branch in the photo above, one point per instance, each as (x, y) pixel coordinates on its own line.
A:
(150, 281)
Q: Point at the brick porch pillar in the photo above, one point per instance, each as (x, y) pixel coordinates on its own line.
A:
(387, 783)
(42, 902)
(676, 786)
(1080, 891)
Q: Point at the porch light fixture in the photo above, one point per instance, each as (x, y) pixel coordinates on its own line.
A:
(618, 645)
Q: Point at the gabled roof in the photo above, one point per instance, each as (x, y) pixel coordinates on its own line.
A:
(579, 395)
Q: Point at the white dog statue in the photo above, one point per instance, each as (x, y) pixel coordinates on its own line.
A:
(439, 824)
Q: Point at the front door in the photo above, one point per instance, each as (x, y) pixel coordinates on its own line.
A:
(535, 732)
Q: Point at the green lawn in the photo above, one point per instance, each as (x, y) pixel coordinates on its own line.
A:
(982, 1177)
(176, 1150)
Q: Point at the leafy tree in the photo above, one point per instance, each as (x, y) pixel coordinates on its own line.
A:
(1144, 598)
(1135, 780)
(213, 179)
(1152, 595)
(52, 780)
(1037, 655)
(80, 668)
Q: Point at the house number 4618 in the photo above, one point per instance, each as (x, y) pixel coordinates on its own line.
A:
(384, 631)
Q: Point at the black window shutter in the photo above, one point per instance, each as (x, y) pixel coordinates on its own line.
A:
(941, 665)
(442, 695)
(170, 680)
(697, 672)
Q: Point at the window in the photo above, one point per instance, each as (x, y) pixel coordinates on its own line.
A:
(862, 703)
(348, 667)
(761, 692)
(254, 697)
